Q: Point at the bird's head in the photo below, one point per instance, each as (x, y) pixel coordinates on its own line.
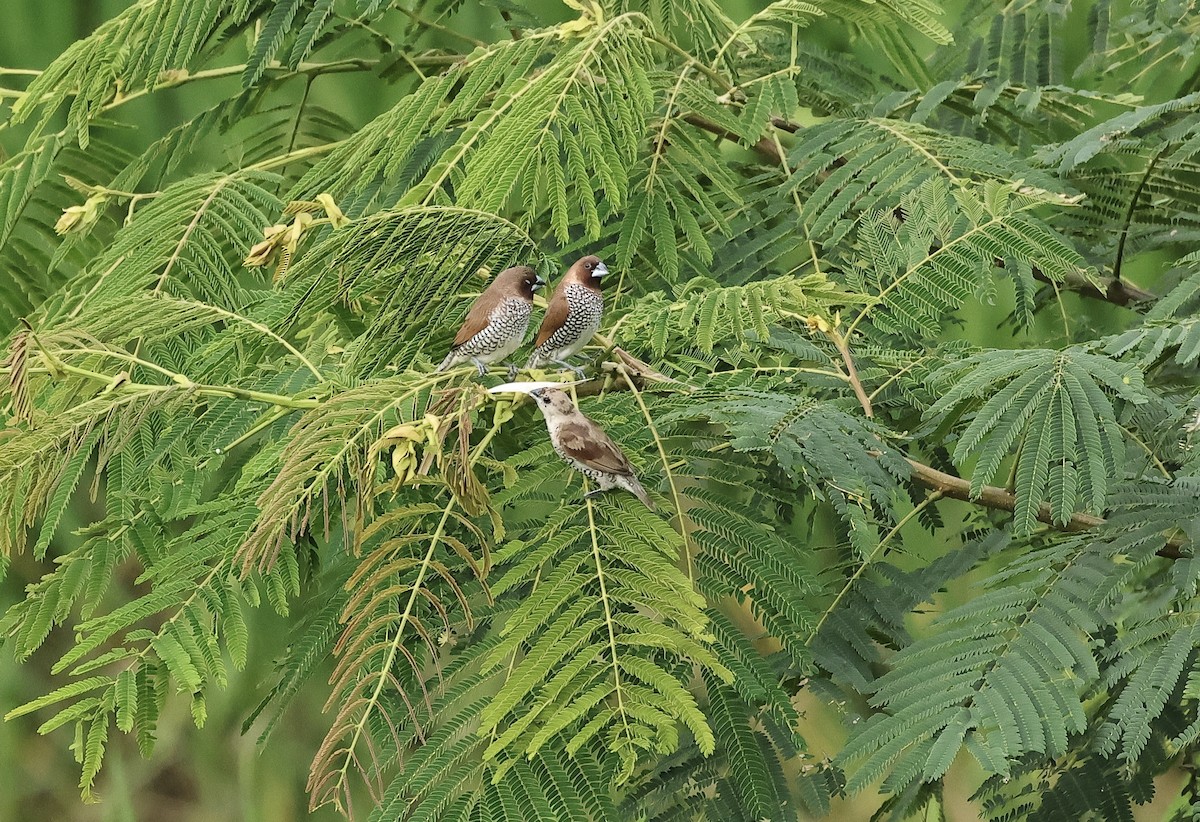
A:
(549, 396)
(520, 280)
(552, 401)
(588, 270)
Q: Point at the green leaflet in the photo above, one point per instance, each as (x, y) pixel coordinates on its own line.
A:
(803, 193)
(581, 651)
(1009, 668)
(707, 315)
(1058, 405)
(926, 259)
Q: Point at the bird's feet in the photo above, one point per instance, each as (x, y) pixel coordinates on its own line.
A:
(595, 492)
(480, 365)
(578, 371)
(512, 370)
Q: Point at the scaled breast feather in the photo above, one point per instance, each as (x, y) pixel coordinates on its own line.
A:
(556, 316)
(477, 318)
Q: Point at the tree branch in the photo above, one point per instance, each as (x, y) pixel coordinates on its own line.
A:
(1111, 289)
(945, 484)
(764, 147)
(1000, 499)
(990, 496)
(843, 347)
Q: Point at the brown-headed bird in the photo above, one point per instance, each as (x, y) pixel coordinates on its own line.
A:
(496, 324)
(585, 446)
(573, 315)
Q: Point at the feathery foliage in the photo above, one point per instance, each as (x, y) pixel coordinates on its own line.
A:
(884, 557)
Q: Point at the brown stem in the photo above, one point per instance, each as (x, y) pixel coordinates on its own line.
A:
(764, 147)
(1110, 289)
(512, 30)
(947, 485)
(843, 348)
(1000, 499)
(1131, 210)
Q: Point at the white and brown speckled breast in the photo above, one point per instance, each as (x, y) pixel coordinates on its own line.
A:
(585, 311)
(504, 332)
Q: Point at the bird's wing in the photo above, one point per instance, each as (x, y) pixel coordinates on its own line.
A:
(556, 316)
(588, 444)
(478, 317)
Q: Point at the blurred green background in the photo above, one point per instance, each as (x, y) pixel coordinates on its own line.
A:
(218, 773)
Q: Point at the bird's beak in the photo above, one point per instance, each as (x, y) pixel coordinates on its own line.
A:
(600, 271)
(530, 388)
(538, 282)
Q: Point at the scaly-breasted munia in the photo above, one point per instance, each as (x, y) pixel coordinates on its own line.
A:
(585, 446)
(496, 324)
(572, 316)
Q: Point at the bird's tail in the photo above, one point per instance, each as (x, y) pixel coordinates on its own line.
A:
(635, 488)
(450, 361)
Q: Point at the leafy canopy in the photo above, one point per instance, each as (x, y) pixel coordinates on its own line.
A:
(224, 334)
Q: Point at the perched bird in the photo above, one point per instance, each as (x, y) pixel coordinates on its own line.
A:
(585, 446)
(496, 324)
(572, 316)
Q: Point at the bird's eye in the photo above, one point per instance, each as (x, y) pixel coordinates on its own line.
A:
(588, 266)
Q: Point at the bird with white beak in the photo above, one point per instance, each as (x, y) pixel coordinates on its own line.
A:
(581, 443)
(573, 315)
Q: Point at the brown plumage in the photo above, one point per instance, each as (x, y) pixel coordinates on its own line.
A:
(496, 324)
(585, 446)
(573, 315)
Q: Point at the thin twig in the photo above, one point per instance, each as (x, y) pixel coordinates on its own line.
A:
(991, 496)
(257, 326)
(1127, 222)
(666, 464)
(267, 420)
(292, 156)
(608, 617)
(765, 147)
(57, 365)
(843, 348)
(862, 566)
(435, 26)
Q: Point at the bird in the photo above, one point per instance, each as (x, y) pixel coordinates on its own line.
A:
(572, 316)
(585, 446)
(497, 321)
